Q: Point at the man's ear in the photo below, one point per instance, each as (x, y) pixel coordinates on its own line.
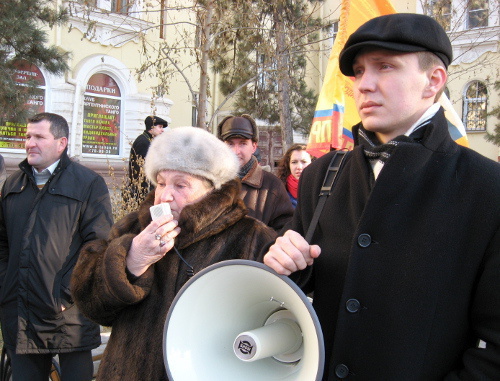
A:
(63, 143)
(437, 80)
(254, 145)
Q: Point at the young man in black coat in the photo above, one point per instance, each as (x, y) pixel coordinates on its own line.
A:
(405, 260)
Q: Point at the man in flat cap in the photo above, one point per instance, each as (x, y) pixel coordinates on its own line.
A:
(405, 259)
(263, 193)
(139, 185)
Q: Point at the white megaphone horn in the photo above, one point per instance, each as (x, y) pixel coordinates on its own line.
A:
(238, 319)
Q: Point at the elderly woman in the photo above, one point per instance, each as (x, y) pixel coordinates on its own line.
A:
(130, 280)
(290, 168)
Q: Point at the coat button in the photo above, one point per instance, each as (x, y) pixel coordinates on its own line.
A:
(364, 240)
(352, 305)
(341, 371)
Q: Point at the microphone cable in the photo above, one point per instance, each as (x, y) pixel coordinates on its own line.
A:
(190, 270)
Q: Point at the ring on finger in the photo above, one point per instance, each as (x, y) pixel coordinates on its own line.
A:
(162, 243)
(157, 236)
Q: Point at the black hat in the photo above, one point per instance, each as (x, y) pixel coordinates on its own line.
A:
(151, 121)
(401, 32)
(238, 126)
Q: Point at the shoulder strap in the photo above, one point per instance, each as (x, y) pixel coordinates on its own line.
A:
(326, 190)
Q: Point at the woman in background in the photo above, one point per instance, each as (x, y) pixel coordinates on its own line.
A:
(290, 168)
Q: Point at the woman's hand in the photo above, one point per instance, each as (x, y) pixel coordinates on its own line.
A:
(150, 245)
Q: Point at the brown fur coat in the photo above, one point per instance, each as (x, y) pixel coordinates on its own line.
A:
(212, 230)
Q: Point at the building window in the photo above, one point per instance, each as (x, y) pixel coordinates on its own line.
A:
(478, 13)
(101, 116)
(194, 110)
(121, 6)
(334, 30)
(440, 10)
(114, 6)
(474, 107)
(13, 133)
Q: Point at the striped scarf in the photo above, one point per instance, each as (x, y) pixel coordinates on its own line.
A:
(375, 150)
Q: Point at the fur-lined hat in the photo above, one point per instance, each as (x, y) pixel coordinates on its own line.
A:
(243, 126)
(194, 151)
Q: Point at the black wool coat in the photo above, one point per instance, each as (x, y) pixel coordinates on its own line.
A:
(212, 230)
(408, 280)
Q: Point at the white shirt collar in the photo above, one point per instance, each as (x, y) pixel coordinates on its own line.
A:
(51, 168)
(424, 119)
(377, 165)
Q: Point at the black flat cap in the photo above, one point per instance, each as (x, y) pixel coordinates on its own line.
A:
(152, 120)
(401, 32)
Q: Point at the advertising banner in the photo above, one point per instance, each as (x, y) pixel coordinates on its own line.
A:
(101, 116)
(12, 134)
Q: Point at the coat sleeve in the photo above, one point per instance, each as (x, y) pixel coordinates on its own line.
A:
(95, 222)
(482, 362)
(283, 211)
(101, 285)
(263, 237)
(97, 217)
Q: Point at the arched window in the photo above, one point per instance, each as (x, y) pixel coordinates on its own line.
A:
(101, 116)
(12, 133)
(474, 107)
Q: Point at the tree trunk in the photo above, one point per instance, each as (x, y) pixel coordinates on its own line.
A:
(204, 59)
(283, 80)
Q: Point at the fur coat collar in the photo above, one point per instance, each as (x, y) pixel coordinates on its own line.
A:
(211, 215)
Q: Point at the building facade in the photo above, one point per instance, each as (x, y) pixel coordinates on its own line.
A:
(110, 88)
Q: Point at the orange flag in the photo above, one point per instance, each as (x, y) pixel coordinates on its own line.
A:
(336, 111)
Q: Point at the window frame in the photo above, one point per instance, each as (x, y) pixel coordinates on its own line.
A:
(436, 8)
(473, 107)
(484, 20)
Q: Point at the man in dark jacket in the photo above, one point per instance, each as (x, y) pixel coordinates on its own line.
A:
(405, 260)
(264, 194)
(139, 185)
(49, 209)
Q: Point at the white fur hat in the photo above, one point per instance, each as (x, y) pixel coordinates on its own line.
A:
(194, 151)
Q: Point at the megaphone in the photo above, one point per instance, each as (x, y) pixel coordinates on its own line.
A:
(238, 319)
